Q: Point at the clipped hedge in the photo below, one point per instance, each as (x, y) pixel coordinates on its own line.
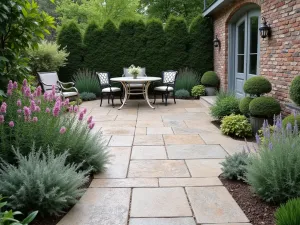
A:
(244, 105)
(147, 45)
(295, 90)
(210, 79)
(291, 119)
(257, 85)
(265, 107)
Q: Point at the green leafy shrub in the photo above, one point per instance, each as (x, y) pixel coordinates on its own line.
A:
(273, 171)
(257, 86)
(42, 181)
(182, 94)
(234, 166)
(295, 90)
(70, 38)
(187, 79)
(244, 105)
(289, 213)
(49, 121)
(225, 105)
(8, 217)
(86, 81)
(198, 90)
(265, 107)
(47, 57)
(210, 79)
(236, 125)
(291, 119)
(73, 103)
(87, 96)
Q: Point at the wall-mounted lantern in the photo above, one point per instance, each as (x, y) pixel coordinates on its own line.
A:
(265, 29)
(217, 42)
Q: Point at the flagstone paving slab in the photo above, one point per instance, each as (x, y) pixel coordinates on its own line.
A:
(205, 167)
(159, 202)
(195, 152)
(119, 163)
(189, 182)
(140, 131)
(214, 205)
(117, 140)
(149, 123)
(158, 168)
(127, 123)
(124, 183)
(162, 221)
(174, 123)
(148, 152)
(159, 130)
(126, 117)
(182, 139)
(185, 116)
(118, 130)
(148, 140)
(105, 206)
(97, 117)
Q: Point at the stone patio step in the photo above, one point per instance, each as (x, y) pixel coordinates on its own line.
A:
(207, 101)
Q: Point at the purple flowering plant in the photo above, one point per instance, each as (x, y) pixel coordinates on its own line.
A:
(28, 117)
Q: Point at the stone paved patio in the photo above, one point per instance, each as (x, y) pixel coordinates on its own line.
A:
(164, 168)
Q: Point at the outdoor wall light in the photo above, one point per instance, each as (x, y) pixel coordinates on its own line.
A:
(217, 42)
(265, 29)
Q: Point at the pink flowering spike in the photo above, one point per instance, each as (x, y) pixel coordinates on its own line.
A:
(90, 119)
(26, 111)
(39, 102)
(35, 119)
(19, 111)
(62, 130)
(46, 95)
(81, 115)
(91, 125)
(3, 107)
(71, 109)
(37, 109)
(27, 92)
(9, 92)
(24, 82)
(75, 108)
(19, 103)
(53, 90)
(10, 85)
(11, 124)
(47, 110)
(15, 85)
(32, 106)
(67, 101)
(39, 91)
(56, 111)
(84, 110)
(1, 119)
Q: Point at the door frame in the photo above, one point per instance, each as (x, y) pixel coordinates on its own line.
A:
(231, 58)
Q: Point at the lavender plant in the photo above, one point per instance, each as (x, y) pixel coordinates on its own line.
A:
(28, 117)
(274, 170)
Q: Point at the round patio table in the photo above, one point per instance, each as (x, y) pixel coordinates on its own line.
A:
(126, 81)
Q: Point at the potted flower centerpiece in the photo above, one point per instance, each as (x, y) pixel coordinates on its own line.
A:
(134, 71)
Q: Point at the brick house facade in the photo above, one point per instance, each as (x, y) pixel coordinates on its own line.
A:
(278, 55)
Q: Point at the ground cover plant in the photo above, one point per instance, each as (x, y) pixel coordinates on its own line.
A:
(198, 90)
(236, 126)
(182, 94)
(27, 117)
(87, 96)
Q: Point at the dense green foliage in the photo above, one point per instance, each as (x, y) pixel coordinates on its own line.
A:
(210, 79)
(292, 119)
(198, 90)
(236, 126)
(111, 49)
(43, 120)
(87, 96)
(295, 90)
(265, 107)
(42, 181)
(244, 105)
(186, 79)
(182, 94)
(289, 213)
(257, 86)
(70, 38)
(47, 57)
(177, 40)
(225, 105)
(22, 26)
(274, 170)
(234, 166)
(7, 217)
(200, 47)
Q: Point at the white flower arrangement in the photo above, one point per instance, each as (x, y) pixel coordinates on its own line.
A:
(134, 71)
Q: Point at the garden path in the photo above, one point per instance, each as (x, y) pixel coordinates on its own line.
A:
(164, 169)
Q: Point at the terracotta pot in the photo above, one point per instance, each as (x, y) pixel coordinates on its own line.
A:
(210, 91)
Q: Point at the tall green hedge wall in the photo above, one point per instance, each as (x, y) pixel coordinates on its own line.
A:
(147, 45)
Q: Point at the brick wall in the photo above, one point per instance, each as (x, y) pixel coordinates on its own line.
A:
(280, 54)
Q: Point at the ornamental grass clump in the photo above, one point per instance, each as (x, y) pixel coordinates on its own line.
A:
(27, 117)
(42, 181)
(86, 81)
(289, 213)
(274, 170)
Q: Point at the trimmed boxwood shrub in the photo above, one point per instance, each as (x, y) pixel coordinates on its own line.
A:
(295, 90)
(70, 37)
(257, 85)
(265, 107)
(176, 43)
(201, 50)
(244, 105)
(291, 119)
(210, 79)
